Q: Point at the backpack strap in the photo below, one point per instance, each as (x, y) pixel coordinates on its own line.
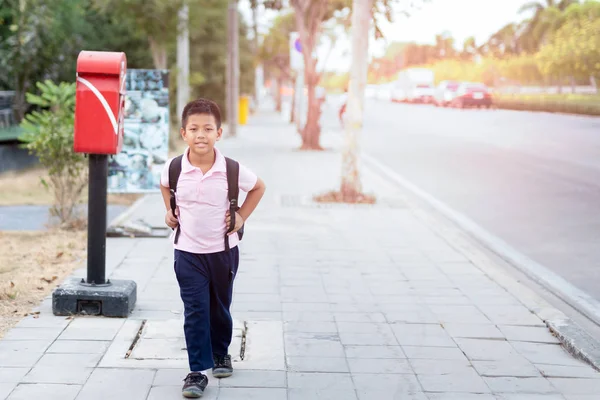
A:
(174, 172)
(233, 192)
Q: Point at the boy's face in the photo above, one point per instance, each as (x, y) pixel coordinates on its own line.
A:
(201, 133)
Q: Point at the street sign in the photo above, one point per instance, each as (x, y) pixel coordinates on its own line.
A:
(296, 58)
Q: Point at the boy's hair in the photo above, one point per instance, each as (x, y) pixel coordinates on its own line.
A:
(201, 106)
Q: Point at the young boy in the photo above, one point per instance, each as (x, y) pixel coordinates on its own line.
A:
(205, 269)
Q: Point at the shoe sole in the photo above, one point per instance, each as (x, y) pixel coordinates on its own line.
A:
(191, 394)
(222, 374)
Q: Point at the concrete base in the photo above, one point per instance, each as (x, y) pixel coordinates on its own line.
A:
(114, 300)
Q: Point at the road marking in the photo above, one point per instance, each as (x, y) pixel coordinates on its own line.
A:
(103, 101)
(572, 295)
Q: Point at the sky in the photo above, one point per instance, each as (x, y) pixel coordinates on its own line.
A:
(461, 18)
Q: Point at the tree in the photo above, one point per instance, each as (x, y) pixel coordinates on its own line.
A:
(49, 134)
(573, 51)
(310, 18)
(275, 52)
(157, 19)
(350, 188)
(539, 26)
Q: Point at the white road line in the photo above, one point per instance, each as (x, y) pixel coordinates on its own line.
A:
(575, 297)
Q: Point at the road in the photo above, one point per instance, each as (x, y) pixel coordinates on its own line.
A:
(531, 179)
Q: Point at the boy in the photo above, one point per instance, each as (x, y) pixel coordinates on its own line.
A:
(204, 268)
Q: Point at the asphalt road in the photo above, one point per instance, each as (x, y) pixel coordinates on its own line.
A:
(531, 179)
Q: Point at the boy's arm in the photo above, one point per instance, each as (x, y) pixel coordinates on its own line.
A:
(252, 199)
(166, 194)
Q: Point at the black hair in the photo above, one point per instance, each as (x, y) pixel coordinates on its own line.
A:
(201, 106)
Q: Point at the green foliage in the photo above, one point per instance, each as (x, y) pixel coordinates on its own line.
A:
(48, 133)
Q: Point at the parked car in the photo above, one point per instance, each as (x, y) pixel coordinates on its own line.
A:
(414, 85)
(445, 92)
(472, 95)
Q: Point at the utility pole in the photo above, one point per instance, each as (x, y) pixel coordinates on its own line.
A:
(361, 19)
(258, 72)
(233, 68)
(183, 60)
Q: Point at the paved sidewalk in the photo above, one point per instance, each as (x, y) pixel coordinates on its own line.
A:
(331, 302)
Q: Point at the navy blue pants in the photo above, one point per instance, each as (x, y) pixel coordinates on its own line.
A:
(206, 286)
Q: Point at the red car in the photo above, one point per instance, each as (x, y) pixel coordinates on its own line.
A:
(472, 95)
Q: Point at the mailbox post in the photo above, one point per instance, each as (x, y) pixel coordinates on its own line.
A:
(99, 107)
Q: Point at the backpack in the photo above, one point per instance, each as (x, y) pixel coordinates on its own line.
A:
(233, 191)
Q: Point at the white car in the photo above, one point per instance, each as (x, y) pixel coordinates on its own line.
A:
(445, 93)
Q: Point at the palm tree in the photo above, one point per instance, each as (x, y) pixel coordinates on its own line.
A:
(543, 21)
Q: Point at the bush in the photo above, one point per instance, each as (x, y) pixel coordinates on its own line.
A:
(583, 105)
(48, 132)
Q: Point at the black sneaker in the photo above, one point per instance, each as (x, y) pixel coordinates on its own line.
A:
(194, 385)
(222, 368)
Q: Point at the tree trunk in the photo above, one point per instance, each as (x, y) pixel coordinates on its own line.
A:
(159, 53)
(593, 83)
(351, 188)
(312, 129)
(278, 99)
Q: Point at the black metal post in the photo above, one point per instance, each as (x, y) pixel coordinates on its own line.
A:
(98, 177)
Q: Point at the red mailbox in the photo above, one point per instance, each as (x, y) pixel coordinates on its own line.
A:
(100, 102)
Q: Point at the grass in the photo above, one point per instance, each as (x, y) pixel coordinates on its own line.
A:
(25, 188)
(32, 264)
(563, 103)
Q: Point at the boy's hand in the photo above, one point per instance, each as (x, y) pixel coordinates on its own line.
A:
(171, 220)
(239, 221)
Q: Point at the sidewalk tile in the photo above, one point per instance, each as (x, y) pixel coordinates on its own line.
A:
(69, 360)
(319, 381)
(378, 339)
(310, 327)
(528, 334)
(379, 366)
(43, 321)
(439, 367)
(28, 391)
(65, 374)
(394, 384)
(317, 364)
(482, 349)
(539, 353)
(41, 334)
(461, 396)
(33, 346)
(383, 352)
(79, 346)
(321, 394)
(520, 385)
(532, 396)
(510, 315)
(567, 371)
(252, 394)
(358, 327)
(19, 359)
(255, 379)
(434, 353)
(174, 392)
(473, 331)
(576, 386)
(375, 317)
(466, 314)
(317, 345)
(466, 381)
(171, 377)
(422, 335)
(12, 374)
(116, 384)
(6, 388)
(511, 367)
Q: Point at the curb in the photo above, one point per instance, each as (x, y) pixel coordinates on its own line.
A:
(127, 213)
(574, 338)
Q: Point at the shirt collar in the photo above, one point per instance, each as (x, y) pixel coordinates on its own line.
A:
(219, 165)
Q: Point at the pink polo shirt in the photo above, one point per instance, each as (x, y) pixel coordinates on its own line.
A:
(202, 201)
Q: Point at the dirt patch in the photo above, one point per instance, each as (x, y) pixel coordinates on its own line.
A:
(24, 188)
(32, 264)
